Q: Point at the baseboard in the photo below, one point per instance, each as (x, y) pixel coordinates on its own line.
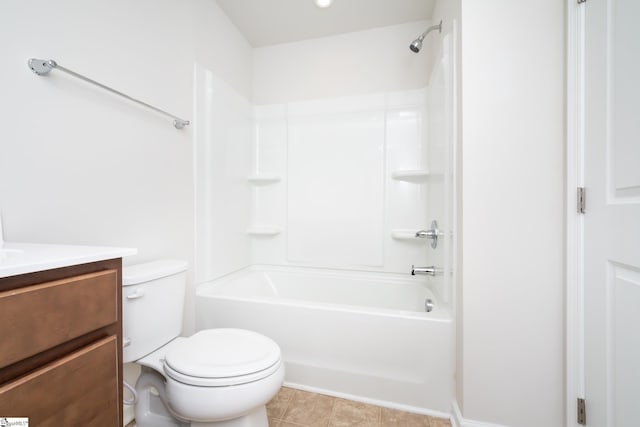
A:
(456, 416)
(457, 420)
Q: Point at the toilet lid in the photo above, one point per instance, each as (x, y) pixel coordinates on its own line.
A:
(213, 355)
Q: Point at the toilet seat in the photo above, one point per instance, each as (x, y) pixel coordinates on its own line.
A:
(222, 357)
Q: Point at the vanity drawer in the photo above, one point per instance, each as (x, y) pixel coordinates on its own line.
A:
(80, 389)
(38, 317)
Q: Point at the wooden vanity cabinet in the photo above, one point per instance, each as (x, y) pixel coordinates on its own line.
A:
(60, 345)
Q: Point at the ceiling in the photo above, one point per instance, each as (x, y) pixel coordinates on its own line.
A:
(268, 22)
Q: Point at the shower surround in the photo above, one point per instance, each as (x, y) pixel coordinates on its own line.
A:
(306, 218)
(344, 182)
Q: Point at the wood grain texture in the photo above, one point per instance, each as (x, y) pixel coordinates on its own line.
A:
(39, 317)
(80, 389)
(95, 397)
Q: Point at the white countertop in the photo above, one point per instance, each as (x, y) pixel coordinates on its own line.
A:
(21, 258)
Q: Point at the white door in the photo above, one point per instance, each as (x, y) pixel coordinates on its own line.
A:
(612, 219)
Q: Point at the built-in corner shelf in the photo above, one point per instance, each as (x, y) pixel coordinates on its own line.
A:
(263, 231)
(403, 234)
(415, 175)
(263, 179)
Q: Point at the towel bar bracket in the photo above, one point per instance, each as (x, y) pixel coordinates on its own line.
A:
(42, 66)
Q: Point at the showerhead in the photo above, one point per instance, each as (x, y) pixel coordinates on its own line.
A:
(416, 45)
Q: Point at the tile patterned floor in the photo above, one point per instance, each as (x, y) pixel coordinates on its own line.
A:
(297, 408)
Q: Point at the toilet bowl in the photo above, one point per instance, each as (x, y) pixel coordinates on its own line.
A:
(216, 377)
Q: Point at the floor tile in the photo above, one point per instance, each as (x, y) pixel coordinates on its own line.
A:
(286, 424)
(297, 408)
(278, 405)
(440, 422)
(393, 417)
(347, 413)
(308, 409)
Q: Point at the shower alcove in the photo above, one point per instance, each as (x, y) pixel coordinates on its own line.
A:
(306, 214)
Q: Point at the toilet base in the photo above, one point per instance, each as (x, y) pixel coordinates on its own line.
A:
(256, 418)
(151, 411)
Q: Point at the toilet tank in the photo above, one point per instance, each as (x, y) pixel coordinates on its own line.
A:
(152, 304)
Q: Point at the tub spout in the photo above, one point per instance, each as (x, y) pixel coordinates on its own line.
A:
(431, 271)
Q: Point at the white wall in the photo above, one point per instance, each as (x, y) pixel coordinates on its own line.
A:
(357, 63)
(219, 46)
(81, 166)
(512, 196)
(78, 165)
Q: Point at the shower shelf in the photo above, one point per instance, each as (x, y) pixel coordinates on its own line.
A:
(404, 234)
(263, 179)
(414, 175)
(263, 231)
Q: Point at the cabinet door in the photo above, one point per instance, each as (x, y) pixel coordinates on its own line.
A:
(39, 317)
(77, 390)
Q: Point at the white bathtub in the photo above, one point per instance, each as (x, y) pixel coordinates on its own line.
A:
(364, 336)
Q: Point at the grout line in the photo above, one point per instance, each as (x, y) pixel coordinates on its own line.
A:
(289, 422)
(333, 409)
(286, 410)
(288, 404)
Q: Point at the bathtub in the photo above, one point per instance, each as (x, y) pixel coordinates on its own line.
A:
(362, 336)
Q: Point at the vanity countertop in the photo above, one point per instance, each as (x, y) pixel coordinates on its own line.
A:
(22, 258)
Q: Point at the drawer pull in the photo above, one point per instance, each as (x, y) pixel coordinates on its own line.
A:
(138, 293)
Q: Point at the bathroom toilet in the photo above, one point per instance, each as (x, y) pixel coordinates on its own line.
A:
(216, 377)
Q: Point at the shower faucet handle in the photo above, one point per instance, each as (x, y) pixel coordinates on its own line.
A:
(433, 233)
(427, 234)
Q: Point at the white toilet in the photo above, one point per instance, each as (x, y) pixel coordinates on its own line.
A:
(216, 377)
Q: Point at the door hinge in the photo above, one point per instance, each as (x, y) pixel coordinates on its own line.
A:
(582, 200)
(582, 412)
